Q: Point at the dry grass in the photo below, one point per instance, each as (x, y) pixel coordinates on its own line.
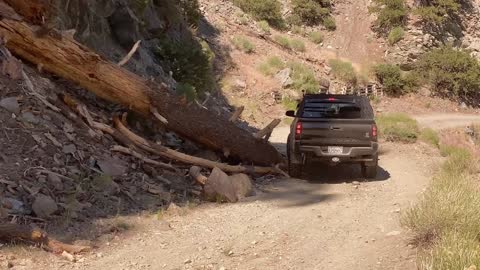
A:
(398, 127)
(430, 136)
(446, 221)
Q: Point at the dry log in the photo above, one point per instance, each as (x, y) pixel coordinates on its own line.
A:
(268, 129)
(128, 151)
(34, 11)
(12, 232)
(237, 114)
(73, 61)
(181, 157)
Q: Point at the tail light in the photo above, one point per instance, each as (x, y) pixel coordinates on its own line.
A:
(374, 131)
(298, 130)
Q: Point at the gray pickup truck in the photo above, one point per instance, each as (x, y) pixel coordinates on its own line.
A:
(333, 129)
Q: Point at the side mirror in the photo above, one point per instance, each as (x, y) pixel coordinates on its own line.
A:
(290, 114)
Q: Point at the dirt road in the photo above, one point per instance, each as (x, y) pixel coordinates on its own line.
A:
(328, 222)
(444, 121)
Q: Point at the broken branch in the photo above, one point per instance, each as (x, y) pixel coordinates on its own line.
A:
(130, 54)
(127, 151)
(237, 114)
(11, 232)
(268, 129)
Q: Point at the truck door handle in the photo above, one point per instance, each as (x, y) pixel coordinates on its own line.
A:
(335, 128)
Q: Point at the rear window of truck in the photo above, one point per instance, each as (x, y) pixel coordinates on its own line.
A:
(336, 110)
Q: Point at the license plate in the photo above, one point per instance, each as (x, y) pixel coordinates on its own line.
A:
(335, 150)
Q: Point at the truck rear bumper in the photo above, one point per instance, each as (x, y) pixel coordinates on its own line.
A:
(349, 154)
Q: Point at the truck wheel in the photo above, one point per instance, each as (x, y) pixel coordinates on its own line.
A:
(369, 171)
(295, 170)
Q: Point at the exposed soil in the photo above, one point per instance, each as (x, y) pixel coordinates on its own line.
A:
(335, 220)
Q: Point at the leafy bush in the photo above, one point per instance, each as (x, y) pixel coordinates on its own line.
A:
(289, 104)
(187, 90)
(263, 10)
(394, 82)
(329, 23)
(344, 71)
(273, 65)
(282, 41)
(430, 136)
(316, 37)
(190, 61)
(304, 79)
(390, 14)
(297, 45)
(191, 11)
(435, 11)
(264, 26)
(243, 44)
(396, 34)
(298, 30)
(310, 12)
(451, 72)
(398, 127)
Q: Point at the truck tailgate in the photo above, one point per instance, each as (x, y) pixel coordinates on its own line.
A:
(333, 132)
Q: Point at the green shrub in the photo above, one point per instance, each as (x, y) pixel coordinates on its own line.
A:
(394, 82)
(390, 77)
(190, 61)
(191, 11)
(304, 79)
(289, 104)
(390, 14)
(243, 20)
(264, 26)
(187, 90)
(344, 71)
(263, 10)
(316, 37)
(436, 11)
(243, 44)
(396, 34)
(282, 41)
(430, 136)
(297, 45)
(276, 62)
(273, 65)
(298, 30)
(329, 23)
(310, 12)
(451, 72)
(398, 127)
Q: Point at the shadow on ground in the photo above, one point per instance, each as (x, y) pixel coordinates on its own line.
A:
(295, 193)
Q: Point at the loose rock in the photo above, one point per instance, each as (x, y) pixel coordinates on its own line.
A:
(44, 206)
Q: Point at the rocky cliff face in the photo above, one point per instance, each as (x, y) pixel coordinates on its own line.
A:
(463, 32)
(111, 27)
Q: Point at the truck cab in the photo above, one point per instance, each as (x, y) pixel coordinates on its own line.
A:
(333, 129)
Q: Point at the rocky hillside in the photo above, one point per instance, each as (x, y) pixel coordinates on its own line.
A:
(461, 31)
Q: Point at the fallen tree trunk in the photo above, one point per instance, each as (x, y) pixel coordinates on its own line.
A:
(72, 61)
(267, 131)
(12, 232)
(175, 155)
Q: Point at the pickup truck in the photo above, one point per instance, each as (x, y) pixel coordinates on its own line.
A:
(333, 129)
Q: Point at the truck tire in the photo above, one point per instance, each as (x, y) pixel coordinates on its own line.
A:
(369, 171)
(295, 170)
